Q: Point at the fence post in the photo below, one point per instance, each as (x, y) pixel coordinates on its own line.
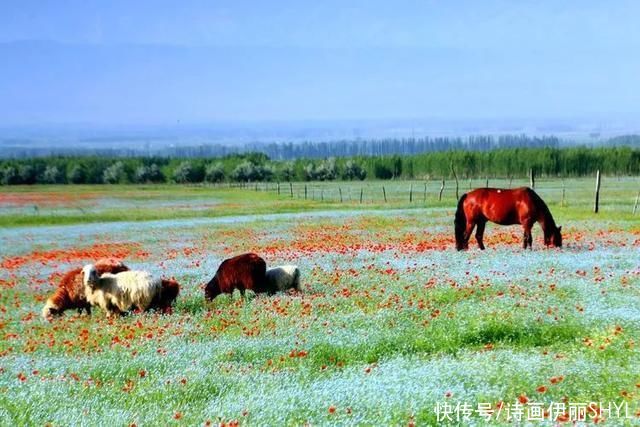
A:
(455, 176)
(411, 193)
(597, 201)
(361, 189)
(510, 180)
(384, 193)
(532, 178)
(424, 195)
(441, 190)
(278, 188)
(635, 206)
(486, 183)
(305, 191)
(322, 195)
(291, 189)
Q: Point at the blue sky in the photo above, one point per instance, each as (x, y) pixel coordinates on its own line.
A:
(159, 62)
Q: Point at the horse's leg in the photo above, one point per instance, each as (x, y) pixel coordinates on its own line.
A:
(480, 233)
(467, 233)
(531, 235)
(527, 240)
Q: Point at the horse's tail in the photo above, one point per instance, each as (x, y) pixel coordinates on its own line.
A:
(460, 223)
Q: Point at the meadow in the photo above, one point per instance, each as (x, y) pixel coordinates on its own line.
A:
(392, 324)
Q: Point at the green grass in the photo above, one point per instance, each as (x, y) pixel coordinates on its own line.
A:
(154, 202)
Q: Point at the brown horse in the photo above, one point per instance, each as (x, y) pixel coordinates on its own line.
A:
(505, 207)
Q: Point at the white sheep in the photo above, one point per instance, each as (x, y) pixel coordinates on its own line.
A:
(283, 278)
(119, 293)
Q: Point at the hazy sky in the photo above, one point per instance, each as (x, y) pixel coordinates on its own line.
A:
(159, 62)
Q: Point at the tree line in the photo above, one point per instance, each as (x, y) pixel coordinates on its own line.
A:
(258, 167)
(288, 150)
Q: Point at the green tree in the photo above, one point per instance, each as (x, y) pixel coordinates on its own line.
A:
(184, 173)
(309, 172)
(397, 166)
(77, 175)
(353, 170)
(214, 172)
(142, 175)
(9, 176)
(324, 171)
(287, 171)
(264, 172)
(114, 174)
(52, 175)
(27, 174)
(155, 174)
(382, 171)
(244, 172)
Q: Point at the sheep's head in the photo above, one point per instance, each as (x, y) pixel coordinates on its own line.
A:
(90, 276)
(294, 273)
(50, 310)
(110, 265)
(212, 289)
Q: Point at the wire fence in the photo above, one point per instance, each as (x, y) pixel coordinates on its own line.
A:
(445, 192)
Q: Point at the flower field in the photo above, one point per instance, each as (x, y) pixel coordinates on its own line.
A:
(392, 325)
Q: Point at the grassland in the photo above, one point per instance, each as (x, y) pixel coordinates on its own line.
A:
(63, 204)
(392, 321)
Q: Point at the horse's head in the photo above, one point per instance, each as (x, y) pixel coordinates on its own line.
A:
(554, 238)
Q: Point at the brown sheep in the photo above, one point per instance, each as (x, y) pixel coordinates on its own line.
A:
(70, 293)
(163, 301)
(242, 272)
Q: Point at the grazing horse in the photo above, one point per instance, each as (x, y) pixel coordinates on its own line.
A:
(505, 207)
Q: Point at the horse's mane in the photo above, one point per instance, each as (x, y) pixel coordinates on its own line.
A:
(540, 204)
